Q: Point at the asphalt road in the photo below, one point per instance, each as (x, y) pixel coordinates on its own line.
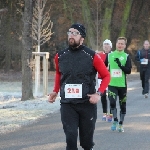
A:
(47, 133)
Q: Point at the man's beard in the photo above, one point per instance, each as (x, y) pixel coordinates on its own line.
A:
(73, 43)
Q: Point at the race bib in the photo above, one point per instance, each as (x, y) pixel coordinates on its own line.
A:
(116, 73)
(73, 91)
(144, 61)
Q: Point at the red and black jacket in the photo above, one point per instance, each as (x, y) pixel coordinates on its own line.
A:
(79, 66)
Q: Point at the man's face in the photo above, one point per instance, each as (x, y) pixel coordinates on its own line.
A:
(106, 47)
(74, 40)
(146, 45)
(120, 45)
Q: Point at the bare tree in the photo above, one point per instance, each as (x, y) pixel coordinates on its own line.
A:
(41, 24)
(27, 92)
(97, 21)
(41, 33)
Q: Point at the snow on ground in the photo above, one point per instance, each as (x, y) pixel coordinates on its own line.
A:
(15, 113)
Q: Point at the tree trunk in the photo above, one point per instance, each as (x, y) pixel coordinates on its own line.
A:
(8, 45)
(27, 92)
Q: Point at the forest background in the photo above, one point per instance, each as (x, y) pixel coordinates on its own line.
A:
(102, 19)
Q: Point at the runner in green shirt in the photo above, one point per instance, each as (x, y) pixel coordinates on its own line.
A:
(119, 64)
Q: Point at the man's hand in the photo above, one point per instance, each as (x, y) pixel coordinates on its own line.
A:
(52, 97)
(117, 61)
(94, 98)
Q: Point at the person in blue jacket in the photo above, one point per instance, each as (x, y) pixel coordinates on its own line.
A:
(143, 56)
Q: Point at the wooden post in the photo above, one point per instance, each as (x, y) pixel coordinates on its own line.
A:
(45, 73)
(45, 56)
(37, 75)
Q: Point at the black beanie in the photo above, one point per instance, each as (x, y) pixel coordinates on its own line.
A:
(80, 28)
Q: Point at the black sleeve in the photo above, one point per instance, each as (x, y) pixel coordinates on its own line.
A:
(137, 56)
(106, 61)
(127, 68)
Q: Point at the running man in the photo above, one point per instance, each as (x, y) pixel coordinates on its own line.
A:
(119, 65)
(143, 56)
(75, 79)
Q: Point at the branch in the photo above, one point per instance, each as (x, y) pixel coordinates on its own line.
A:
(41, 24)
(49, 27)
(45, 40)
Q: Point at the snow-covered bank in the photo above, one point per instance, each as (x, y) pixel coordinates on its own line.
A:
(15, 113)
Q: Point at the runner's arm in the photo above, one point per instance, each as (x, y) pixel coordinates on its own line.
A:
(127, 68)
(57, 75)
(137, 56)
(102, 70)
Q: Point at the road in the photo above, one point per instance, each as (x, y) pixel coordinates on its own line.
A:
(47, 133)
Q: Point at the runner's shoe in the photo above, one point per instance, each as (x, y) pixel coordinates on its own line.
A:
(114, 126)
(120, 128)
(109, 118)
(104, 117)
(146, 95)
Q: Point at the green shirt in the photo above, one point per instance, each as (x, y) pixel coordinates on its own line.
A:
(118, 77)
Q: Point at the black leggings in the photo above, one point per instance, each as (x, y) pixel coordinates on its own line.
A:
(144, 76)
(113, 92)
(104, 102)
(82, 116)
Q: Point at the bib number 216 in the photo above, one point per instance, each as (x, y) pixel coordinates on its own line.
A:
(73, 91)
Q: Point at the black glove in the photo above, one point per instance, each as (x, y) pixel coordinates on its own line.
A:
(118, 62)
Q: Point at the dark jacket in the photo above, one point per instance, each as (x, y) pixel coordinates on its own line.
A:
(143, 54)
(76, 67)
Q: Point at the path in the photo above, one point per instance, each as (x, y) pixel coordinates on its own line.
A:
(47, 133)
